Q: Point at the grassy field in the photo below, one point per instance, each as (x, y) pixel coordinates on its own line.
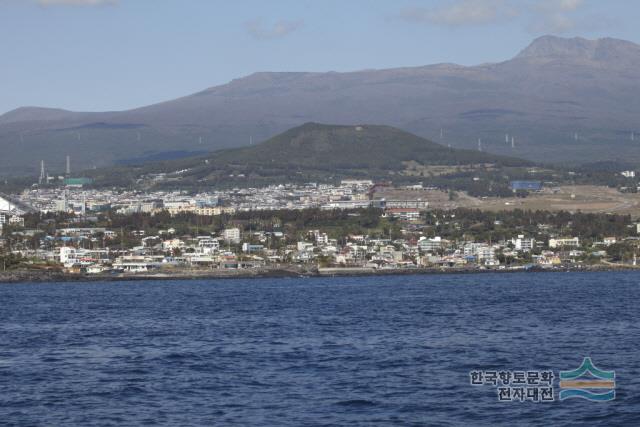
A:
(583, 198)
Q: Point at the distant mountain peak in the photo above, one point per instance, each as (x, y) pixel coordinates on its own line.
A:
(555, 88)
(23, 114)
(579, 48)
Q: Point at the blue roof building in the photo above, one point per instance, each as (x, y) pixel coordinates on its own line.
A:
(526, 185)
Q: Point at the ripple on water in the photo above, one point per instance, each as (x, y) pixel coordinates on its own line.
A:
(343, 351)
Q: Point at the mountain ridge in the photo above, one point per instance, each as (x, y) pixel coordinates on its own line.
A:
(543, 46)
(529, 106)
(553, 46)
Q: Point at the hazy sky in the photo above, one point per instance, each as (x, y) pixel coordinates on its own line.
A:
(118, 54)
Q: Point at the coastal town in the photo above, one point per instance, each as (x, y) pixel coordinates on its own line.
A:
(311, 228)
(296, 213)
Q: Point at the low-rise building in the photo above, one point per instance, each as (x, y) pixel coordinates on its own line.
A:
(569, 242)
(231, 235)
(428, 245)
(405, 214)
(249, 248)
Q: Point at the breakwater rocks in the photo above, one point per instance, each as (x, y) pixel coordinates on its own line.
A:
(53, 276)
(45, 276)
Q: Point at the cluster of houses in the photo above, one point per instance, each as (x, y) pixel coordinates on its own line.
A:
(101, 250)
(86, 201)
(96, 250)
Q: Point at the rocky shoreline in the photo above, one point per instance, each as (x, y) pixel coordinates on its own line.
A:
(49, 276)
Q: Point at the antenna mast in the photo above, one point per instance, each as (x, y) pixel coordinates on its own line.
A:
(43, 177)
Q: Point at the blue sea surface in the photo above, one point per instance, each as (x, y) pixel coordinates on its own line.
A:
(364, 351)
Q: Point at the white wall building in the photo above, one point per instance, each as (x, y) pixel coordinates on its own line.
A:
(430, 245)
(68, 255)
(524, 244)
(172, 244)
(208, 245)
(231, 235)
(572, 242)
(6, 205)
(16, 220)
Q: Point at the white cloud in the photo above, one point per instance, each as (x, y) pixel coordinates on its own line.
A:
(539, 16)
(259, 31)
(569, 5)
(76, 2)
(556, 23)
(461, 13)
(555, 16)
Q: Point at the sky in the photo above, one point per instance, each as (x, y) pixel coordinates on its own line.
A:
(98, 55)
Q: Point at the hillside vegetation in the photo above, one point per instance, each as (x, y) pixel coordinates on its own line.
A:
(311, 152)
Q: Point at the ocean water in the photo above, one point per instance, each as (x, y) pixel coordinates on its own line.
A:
(366, 351)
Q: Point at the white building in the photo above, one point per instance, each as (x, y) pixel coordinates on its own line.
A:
(231, 235)
(483, 252)
(173, 244)
(249, 248)
(356, 183)
(430, 245)
(524, 244)
(135, 266)
(304, 246)
(572, 242)
(16, 220)
(347, 204)
(61, 205)
(208, 245)
(322, 239)
(68, 255)
(6, 205)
